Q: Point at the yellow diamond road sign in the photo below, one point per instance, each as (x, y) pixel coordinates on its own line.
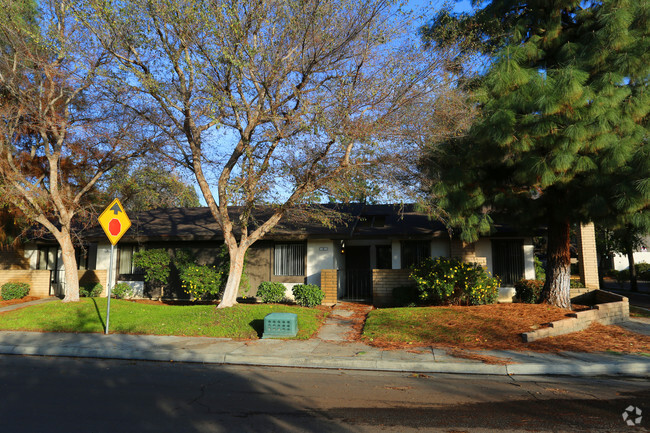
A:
(114, 221)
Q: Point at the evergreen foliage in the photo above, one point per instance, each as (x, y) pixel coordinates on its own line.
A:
(271, 292)
(11, 291)
(563, 133)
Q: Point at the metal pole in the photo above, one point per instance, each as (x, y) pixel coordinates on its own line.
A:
(108, 290)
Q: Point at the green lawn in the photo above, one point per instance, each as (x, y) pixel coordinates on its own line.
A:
(639, 312)
(243, 321)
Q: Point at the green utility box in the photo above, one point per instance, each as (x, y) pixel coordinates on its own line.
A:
(278, 325)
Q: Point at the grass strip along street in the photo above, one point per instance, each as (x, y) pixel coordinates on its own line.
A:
(242, 321)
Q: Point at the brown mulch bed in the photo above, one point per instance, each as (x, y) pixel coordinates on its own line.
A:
(18, 301)
(499, 327)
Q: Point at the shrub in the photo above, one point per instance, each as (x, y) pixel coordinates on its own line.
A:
(406, 296)
(443, 281)
(576, 284)
(643, 271)
(308, 295)
(623, 275)
(201, 281)
(14, 291)
(540, 272)
(122, 290)
(155, 263)
(529, 291)
(271, 292)
(90, 291)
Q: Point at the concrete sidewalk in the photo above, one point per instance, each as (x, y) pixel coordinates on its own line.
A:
(327, 350)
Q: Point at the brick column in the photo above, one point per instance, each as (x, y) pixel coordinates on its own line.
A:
(467, 253)
(329, 286)
(587, 256)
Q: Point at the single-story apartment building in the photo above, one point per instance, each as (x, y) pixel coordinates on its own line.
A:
(360, 252)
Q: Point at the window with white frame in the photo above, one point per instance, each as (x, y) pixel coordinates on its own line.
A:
(125, 260)
(289, 259)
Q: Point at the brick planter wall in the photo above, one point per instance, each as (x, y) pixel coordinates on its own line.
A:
(384, 281)
(609, 309)
(329, 286)
(39, 281)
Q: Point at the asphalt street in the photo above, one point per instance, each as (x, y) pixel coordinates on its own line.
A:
(85, 395)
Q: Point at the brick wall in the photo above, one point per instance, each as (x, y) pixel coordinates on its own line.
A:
(610, 308)
(13, 259)
(39, 281)
(93, 277)
(329, 285)
(467, 253)
(587, 256)
(384, 281)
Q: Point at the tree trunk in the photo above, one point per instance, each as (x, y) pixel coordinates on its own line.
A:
(557, 288)
(71, 293)
(229, 297)
(629, 250)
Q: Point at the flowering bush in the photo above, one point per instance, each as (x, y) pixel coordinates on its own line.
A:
(201, 282)
(443, 281)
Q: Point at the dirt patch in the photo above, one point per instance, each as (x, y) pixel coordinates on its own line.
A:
(486, 359)
(18, 301)
(499, 327)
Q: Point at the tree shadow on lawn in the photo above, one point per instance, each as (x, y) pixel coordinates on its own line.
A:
(83, 321)
(258, 326)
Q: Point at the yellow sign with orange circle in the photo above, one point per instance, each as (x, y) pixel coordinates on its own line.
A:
(114, 221)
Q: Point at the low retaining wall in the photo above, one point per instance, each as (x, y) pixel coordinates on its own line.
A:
(39, 281)
(384, 281)
(607, 309)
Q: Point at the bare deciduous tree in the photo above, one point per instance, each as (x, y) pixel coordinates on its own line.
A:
(270, 101)
(57, 138)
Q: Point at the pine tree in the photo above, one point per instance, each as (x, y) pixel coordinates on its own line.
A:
(563, 135)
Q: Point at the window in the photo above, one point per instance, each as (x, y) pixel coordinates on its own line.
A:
(47, 257)
(413, 252)
(508, 260)
(384, 257)
(289, 259)
(81, 256)
(125, 260)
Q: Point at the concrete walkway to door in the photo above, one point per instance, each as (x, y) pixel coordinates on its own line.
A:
(345, 321)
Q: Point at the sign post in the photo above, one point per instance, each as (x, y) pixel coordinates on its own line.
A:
(115, 223)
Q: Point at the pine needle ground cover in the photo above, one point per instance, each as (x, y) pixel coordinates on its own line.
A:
(491, 327)
(89, 315)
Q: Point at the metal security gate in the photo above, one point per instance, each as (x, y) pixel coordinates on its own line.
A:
(358, 285)
(508, 260)
(358, 275)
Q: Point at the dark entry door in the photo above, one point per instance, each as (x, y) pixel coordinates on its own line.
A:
(358, 276)
(508, 260)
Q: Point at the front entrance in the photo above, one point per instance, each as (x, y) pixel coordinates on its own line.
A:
(508, 260)
(358, 274)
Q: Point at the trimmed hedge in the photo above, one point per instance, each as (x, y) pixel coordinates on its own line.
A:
(14, 291)
(271, 293)
(308, 295)
(91, 290)
(122, 291)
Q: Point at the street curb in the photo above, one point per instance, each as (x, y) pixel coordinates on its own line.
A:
(630, 369)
